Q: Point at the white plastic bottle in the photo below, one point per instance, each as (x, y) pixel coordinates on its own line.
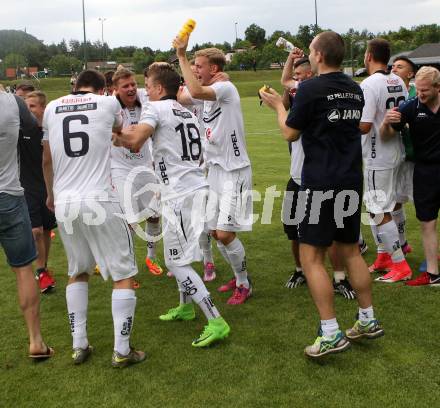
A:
(284, 44)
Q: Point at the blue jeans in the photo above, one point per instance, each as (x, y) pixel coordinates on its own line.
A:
(16, 231)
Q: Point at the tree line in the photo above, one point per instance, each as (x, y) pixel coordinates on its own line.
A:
(256, 49)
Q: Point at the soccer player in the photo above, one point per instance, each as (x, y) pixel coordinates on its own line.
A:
(132, 170)
(422, 116)
(300, 66)
(176, 150)
(205, 238)
(23, 89)
(382, 91)
(326, 112)
(405, 69)
(109, 87)
(230, 175)
(76, 164)
(15, 226)
(31, 177)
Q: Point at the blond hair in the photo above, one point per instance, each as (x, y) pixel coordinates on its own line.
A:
(430, 73)
(41, 96)
(121, 73)
(214, 55)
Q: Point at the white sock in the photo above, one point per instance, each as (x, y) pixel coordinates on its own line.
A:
(152, 230)
(189, 280)
(237, 257)
(208, 308)
(205, 245)
(390, 238)
(184, 299)
(222, 250)
(329, 327)
(379, 245)
(77, 298)
(123, 307)
(338, 276)
(400, 220)
(365, 315)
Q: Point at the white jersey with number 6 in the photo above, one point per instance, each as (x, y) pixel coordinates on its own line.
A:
(79, 130)
(224, 129)
(176, 147)
(382, 92)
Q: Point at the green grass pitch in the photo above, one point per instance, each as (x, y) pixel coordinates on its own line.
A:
(261, 364)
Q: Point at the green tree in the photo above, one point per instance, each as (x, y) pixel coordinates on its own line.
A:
(141, 60)
(36, 55)
(15, 61)
(161, 57)
(278, 33)
(64, 64)
(427, 34)
(255, 35)
(240, 44)
(271, 53)
(244, 59)
(305, 36)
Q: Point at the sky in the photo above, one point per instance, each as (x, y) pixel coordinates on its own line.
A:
(154, 23)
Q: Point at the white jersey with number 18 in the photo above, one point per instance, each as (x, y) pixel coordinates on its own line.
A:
(176, 147)
(79, 130)
(224, 129)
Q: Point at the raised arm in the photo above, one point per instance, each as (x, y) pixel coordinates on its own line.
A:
(196, 90)
(287, 80)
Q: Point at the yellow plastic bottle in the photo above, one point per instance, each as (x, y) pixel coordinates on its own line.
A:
(187, 28)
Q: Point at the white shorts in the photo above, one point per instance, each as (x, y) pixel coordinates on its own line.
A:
(230, 204)
(139, 198)
(404, 188)
(94, 235)
(183, 221)
(380, 190)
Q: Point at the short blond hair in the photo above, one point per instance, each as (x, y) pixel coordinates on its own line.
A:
(214, 55)
(121, 73)
(430, 73)
(41, 96)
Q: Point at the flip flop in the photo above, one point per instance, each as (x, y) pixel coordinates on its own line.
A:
(42, 356)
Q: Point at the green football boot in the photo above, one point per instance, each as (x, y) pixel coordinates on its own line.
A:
(181, 312)
(216, 330)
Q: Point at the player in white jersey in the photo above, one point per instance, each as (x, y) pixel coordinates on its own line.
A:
(196, 107)
(176, 151)
(230, 173)
(76, 164)
(382, 158)
(132, 171)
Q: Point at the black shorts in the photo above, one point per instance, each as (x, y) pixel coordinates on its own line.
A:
(39, 214)
(426, 185)
(289, 209)
(337, 218)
